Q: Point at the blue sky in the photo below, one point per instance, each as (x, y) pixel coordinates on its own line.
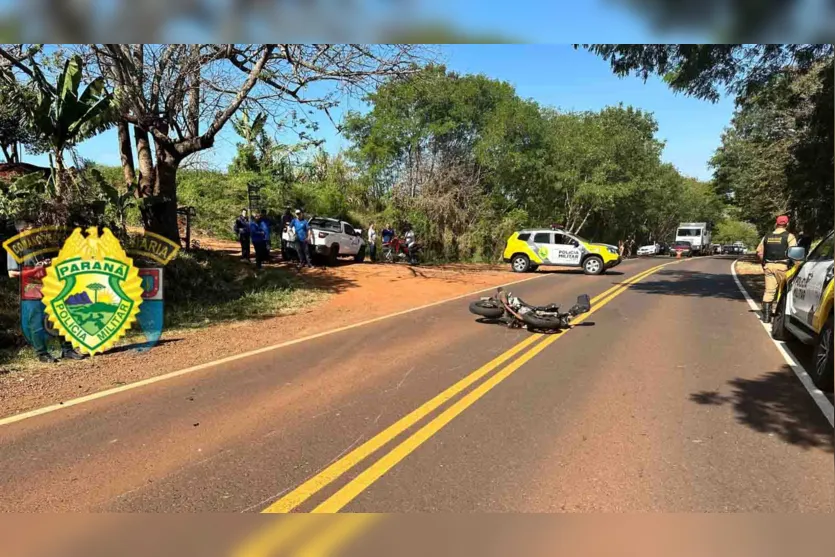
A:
(553, 75)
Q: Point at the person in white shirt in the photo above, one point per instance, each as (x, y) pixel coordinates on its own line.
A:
(372, 242)
(411, 243)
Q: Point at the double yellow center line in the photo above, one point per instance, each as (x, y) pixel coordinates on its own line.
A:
(352, 489)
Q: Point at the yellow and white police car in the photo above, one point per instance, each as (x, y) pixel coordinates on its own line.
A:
(804, 310)
(526, 250)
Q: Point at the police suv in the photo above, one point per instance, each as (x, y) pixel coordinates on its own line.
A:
(804, 310)
(526, 250)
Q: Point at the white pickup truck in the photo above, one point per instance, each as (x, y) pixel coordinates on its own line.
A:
(331, 239)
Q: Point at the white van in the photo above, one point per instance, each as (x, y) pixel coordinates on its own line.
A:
(697, 233)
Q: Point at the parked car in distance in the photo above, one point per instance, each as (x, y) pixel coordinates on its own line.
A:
(730, 249)
(332, 239)
(651, 249)
(685, 249)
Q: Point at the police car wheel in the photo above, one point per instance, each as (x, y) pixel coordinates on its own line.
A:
(593, 265)
(520, 263)
(823, 359)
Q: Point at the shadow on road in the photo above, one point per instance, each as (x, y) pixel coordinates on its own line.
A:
(777, 404)
(681, 282)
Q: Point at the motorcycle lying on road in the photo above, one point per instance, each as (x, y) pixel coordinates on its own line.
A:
(515, 313)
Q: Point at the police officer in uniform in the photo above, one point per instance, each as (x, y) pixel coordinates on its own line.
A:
(773, 254)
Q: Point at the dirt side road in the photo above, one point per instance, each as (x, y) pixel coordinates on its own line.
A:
(356, 293)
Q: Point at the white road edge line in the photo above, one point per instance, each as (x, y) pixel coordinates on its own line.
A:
(171, 375)
(816, 394)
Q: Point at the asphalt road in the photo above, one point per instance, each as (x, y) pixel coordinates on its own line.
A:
(669, 397)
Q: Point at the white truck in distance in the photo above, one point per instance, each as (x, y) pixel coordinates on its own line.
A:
(697, 233)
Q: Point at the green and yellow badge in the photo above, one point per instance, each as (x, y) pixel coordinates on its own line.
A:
(92, 291)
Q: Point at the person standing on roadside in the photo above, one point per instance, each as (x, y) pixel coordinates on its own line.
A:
(270, 222)
(387, 234)
(286, 219)
(302, 229)
(773, 254)
(241, 228)
(259, 231)
(372, 242)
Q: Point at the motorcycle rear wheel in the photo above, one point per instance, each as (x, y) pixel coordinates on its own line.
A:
(487, 308)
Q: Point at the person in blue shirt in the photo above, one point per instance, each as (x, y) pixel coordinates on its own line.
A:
(302, 229)
(387, 234)
(259, 233)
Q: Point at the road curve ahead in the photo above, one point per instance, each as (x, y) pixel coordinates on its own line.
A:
(668, 397)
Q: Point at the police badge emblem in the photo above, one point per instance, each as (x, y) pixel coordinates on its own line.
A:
(92, 291)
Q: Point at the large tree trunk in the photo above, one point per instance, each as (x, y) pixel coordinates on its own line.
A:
(126, 154)
(59, 170)
(146, 163)
(162, 213)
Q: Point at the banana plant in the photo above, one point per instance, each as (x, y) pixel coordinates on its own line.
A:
(249, 128)
(62, 117)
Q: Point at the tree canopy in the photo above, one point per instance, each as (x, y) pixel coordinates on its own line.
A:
(777, 154)
(468, 160)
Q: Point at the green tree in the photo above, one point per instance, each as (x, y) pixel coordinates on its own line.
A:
(703, 70)
(96, 287)
(730, 231)
(15, 131)
(777, 155)
(183, 95)
(465, 159)
(60, 115)
(250, 130)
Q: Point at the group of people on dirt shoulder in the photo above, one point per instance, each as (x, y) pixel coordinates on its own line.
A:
(255, 231)
(258, 232)
(387, 237)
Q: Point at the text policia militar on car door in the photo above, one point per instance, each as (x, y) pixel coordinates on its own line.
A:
(565, 250)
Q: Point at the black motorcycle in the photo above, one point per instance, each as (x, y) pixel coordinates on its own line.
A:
(515, 313)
